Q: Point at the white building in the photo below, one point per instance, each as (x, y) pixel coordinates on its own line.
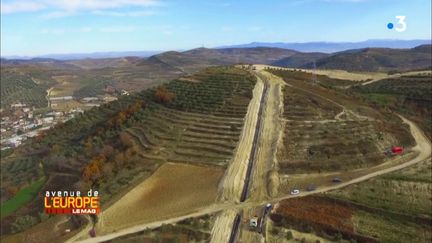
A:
(89, 99)
(48, 120)
(61, 98)
(18, 105)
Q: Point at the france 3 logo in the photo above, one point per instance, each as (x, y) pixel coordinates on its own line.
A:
(401, 24)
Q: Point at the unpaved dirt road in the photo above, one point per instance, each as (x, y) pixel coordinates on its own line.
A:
(336, 74)
(397, 75)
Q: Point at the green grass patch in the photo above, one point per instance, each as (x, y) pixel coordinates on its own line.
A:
(406, 191)
(389, 230)
(381, 99)
(22, 197)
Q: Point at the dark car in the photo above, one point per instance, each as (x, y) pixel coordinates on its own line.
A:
(337, 180)
(311, 188)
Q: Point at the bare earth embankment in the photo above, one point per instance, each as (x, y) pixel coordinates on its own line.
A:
(233, 182)
(265, 179)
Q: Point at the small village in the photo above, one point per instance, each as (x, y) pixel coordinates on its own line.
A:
(21, 121)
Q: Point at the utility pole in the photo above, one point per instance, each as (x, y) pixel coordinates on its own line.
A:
(314, 76)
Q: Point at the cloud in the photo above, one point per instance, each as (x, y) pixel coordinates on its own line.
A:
(123, 14)
(347, 1)
(117, 29)
(255, 28)
(72, 6)
(9, 37)
(53, 31)
(165, 29)
(57, 14)
(86, 29)
(220, 4)
(227, 28)
(20, 6)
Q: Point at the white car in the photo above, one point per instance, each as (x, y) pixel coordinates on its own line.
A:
(295, 192)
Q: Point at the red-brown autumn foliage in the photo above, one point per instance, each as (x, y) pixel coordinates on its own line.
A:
(318, 212)
(40, 136)
(162, 95)
(93, 170)
(122, 116)
(12, 190)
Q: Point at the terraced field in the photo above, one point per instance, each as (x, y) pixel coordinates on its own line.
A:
(409, 95)
(321, 136)
(178, 136)
(201, 125)
(327, 131)
(300, 105)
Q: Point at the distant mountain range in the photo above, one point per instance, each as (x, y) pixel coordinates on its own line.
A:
(376, 59)
(324, 47)
(195, 59)
(330, 47)
(187, 62)
(138, 73)
(94, 55)
(364, 59)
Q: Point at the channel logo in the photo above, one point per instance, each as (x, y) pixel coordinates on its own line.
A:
(401, 24)
(71, 202)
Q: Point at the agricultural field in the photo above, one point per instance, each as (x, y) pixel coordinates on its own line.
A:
(17, 87)
(342, 221)
(80, 85)
(173, 190)
(92, 86)
(408, 95)
(407, 191)
(188, 230)
(312, 214)
(371, 211)
(327, 131)
(66, 85)
(22, 197)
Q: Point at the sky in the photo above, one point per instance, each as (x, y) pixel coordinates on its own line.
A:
(37, 27)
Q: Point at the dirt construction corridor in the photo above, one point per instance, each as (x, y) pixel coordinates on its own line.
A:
(253, 165)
